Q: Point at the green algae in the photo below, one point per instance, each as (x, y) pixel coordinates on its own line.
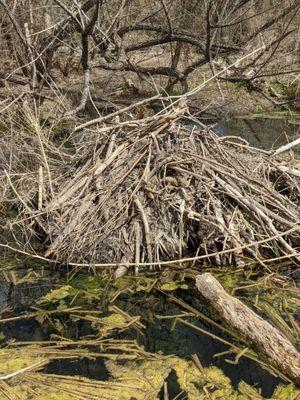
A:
(286, 393)
(173, 285)
(138, 379)
(12, 361)
(141, 375)
(56, 295)
(247, 392)
(150, 375)
(108, 324)
(57, 396)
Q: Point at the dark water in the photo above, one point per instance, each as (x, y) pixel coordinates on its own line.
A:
(159, 336)
(262, 132)
(185, 341)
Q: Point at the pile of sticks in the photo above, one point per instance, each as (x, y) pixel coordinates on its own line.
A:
(147, 193)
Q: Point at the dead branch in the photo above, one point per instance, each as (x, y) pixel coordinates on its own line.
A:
(271, 343)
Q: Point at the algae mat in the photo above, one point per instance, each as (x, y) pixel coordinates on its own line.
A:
(115, 316)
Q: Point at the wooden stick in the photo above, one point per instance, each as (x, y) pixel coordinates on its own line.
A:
(146, 227)
(270, 342)
(286, 147)
(114, 114)
(38, 364)
(291, 171)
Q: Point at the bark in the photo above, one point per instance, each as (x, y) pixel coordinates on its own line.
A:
(271, 343)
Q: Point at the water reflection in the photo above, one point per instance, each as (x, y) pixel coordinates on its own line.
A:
(266, 133)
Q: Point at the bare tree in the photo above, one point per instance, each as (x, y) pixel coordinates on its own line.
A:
(163, 38)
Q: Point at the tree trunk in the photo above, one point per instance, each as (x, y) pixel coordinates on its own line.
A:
(271, 343)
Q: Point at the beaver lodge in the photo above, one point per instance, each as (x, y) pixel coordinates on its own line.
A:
(120, 191)
(127, 195)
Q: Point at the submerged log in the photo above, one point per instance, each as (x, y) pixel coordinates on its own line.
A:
(271, 343)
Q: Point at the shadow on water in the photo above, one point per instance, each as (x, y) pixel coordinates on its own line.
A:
(88, 368)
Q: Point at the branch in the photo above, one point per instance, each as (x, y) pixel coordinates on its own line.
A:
(86, 32)
(124, 66)
(272, 21)
(114, 114)
(14, 78)
(270, 342)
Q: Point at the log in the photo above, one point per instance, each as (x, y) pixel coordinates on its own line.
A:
(257, 332)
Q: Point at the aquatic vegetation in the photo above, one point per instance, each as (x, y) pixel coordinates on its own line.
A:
(139, 379)
(56, 295)
(119, 313)
(173, 285)
(12, 361)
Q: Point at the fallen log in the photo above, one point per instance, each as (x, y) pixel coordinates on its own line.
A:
(271, 343)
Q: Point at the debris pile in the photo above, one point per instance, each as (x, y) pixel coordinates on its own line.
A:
(148, 192)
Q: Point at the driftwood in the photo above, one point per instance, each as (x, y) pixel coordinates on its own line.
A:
(271, 343)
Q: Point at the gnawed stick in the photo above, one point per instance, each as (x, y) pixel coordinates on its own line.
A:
(271, 343)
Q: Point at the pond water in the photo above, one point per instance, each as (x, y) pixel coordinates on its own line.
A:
(266, 132)
(160, 336)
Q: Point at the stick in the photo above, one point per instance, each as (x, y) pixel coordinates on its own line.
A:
(146, 227)
(114, 114)
(26, 369)
(41, 188)
(286, 147)
(137, 248)
(157, 263)
(291, 171)
(270, 342)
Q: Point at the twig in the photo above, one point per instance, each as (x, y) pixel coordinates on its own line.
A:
(21, 371)
(146, 227)
(286, 147)
(156, 263)
(114, 114)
